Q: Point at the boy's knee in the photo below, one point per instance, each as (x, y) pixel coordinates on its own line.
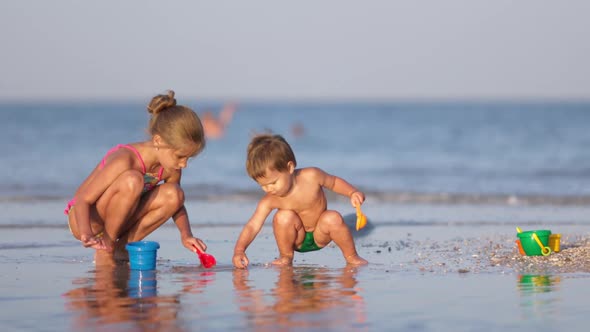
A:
(332, 218)
(284, 217)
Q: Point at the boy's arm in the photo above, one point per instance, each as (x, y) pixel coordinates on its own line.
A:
(250, 231)
(340, 186)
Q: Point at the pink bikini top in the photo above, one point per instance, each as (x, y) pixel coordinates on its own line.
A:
(150, 180)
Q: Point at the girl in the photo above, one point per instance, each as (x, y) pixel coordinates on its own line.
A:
(123, 199)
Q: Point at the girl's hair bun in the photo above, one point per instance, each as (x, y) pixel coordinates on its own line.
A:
(161, 102)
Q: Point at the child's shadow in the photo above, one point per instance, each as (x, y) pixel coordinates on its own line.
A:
(350, 221)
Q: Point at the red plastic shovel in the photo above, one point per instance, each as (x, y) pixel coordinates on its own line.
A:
(207, 260)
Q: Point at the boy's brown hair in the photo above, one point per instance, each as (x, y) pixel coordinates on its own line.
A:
(268, 151)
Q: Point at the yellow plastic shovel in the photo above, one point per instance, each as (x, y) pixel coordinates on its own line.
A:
(361, 219)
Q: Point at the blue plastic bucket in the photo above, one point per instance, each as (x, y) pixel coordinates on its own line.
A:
(142, 283)
(142, 254)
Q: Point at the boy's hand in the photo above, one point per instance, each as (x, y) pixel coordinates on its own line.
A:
(357, 198)
(240, 260)
(191, 242)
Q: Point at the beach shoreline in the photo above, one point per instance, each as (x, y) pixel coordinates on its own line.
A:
(427, 265)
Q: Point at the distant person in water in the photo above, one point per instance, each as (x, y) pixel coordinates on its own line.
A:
(135, 188)
(297, 129)
(215, 126)
(302, 221)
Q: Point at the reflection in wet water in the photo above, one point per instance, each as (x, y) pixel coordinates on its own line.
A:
(193, 279)
(118, 295)
(531, 283)
(303, 297)
(539, 295)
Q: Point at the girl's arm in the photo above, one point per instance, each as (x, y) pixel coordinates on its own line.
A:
(183, 224)
(186, 235)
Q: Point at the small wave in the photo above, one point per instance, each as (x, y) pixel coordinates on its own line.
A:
(375, 196)
(421, 198)
(472, 223)
(350, 220)
(478, 199)
(36, 245)
(35, 225)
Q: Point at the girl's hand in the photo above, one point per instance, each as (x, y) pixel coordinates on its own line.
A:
(91, 241)
(191, 243)
(240, 260)
(357, 198)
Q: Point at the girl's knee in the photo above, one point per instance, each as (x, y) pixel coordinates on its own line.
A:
(131, 182)
(285, 217)
(172, 195)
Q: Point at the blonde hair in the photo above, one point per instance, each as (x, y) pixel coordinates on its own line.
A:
(268, 151)
(177, 125)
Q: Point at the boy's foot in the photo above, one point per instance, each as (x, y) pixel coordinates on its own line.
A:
(356, 260)
(283, 261)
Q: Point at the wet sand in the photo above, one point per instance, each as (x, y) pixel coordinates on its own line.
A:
(439, 276)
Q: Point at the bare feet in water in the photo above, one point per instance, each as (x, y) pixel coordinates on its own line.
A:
(283, 261)
(104, 258)
(121, 255)
(356, 260)
(114, 257)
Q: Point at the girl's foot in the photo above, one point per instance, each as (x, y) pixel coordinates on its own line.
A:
(120, 254)
(104, 258)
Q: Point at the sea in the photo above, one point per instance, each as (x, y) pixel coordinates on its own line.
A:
(446, 184)
(442, 151)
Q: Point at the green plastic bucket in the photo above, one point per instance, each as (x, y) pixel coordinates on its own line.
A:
(530, 246)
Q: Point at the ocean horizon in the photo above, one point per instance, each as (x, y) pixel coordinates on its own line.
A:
(536, 150)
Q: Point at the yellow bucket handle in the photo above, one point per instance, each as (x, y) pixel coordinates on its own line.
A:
(544, 250)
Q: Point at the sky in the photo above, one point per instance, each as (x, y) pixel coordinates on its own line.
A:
(296, 50)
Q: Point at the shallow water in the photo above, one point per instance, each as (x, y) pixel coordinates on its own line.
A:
(311, 297)
(423, 278)
(320, 298)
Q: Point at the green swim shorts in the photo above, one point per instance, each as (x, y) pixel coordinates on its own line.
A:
(308, 243)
